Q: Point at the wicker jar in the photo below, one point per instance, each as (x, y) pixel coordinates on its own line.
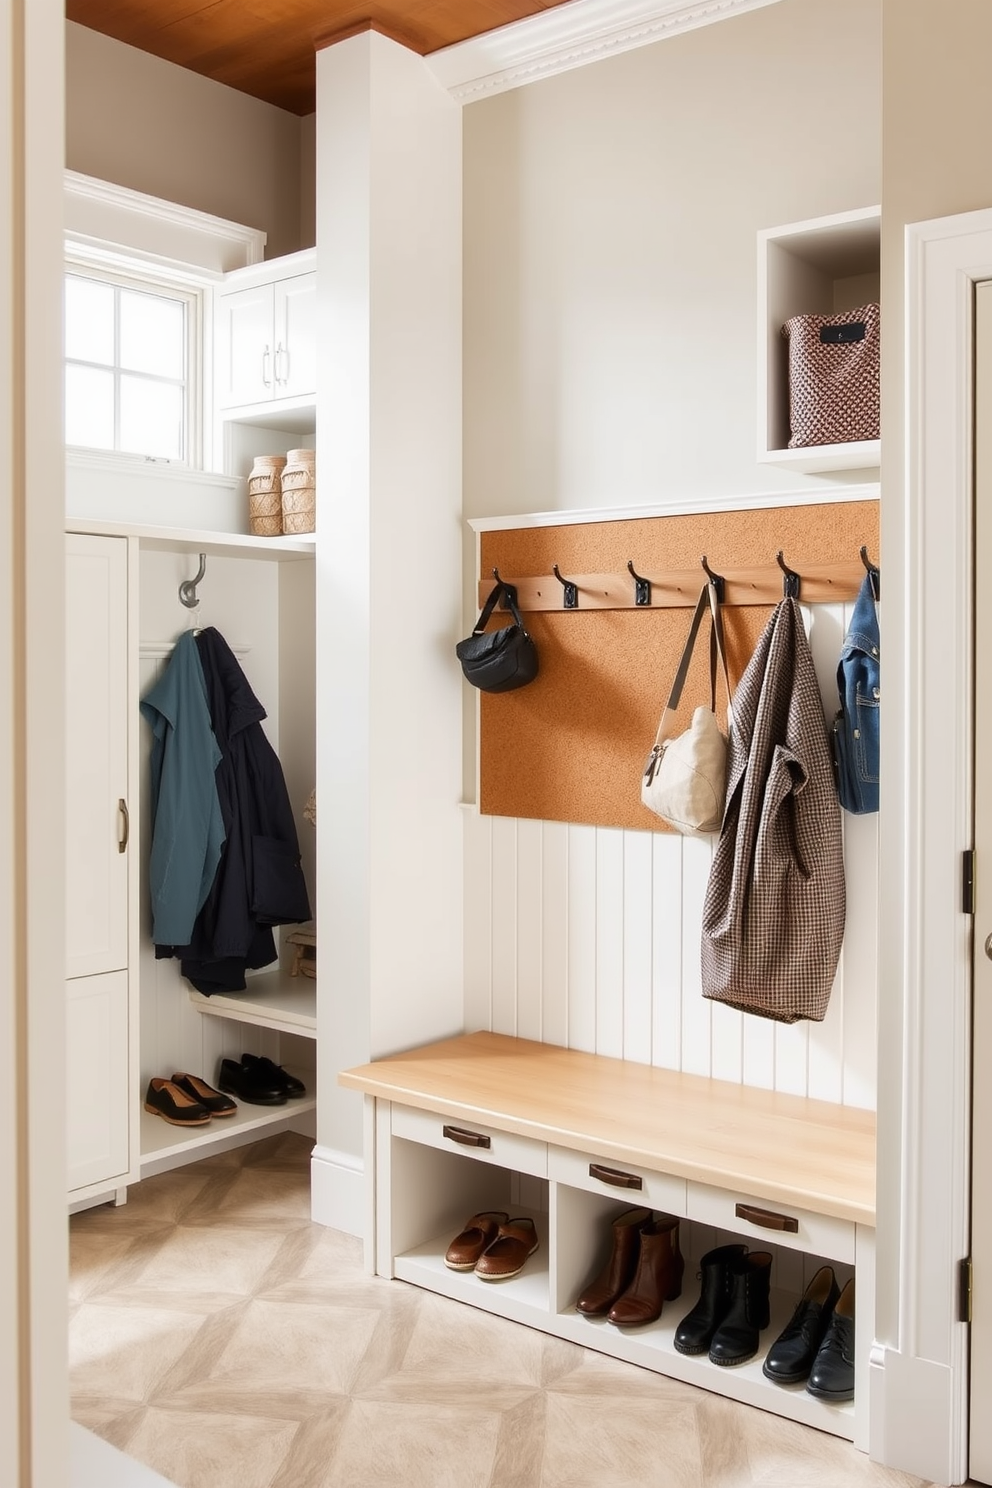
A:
(265, 496)
(298, 492)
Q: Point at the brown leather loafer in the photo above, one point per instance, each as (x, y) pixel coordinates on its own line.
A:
(507, 1255)
(479, 1231)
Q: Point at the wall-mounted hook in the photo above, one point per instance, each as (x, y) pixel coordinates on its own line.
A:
(504, 599)
(570, 598)
(717, 580)
(792, 581)
(873, 571)
(642, 587)
(187, 589)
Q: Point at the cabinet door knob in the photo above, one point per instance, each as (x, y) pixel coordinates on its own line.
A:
(466, 1138)
(768, 1219)
(125, 831)
(266, 354)
(615, 1176)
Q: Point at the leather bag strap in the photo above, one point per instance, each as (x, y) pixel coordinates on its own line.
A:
(707, 599)
(490, 604)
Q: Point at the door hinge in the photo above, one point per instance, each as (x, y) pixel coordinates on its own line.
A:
(968, 881)
(964, 1290)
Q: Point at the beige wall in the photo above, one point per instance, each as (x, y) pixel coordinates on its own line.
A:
(610, 225)
(141, 122)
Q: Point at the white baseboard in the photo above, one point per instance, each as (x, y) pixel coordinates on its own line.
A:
(94, 1463)
(337, 1191)
(913, 1425)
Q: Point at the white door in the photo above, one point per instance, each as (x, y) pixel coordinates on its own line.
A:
(981, 1179)
(296, 337)
(97, 822)
(97, 1092)
(245, 346)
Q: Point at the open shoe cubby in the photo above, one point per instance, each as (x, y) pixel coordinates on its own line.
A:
(489, 1122)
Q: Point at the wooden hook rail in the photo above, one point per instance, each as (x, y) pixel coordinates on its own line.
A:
(821, 583)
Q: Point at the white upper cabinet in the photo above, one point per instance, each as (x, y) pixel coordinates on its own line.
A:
(266, 343)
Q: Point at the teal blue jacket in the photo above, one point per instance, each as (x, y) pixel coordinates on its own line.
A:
(187, 825)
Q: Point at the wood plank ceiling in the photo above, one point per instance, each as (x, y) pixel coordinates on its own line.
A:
(266, 47)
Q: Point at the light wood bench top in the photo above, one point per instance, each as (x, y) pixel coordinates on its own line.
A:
(782, 1148)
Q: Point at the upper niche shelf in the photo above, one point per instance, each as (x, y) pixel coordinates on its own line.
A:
(819, 267)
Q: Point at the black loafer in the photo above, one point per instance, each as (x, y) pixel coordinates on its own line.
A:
(253, 1089)
(163, 1098)
(274, 1075)
(199, 1090)
(790, 1358)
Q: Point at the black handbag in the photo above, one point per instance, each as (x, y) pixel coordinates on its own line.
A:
(498, 660)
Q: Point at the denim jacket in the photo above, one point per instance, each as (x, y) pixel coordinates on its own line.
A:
(855, 728)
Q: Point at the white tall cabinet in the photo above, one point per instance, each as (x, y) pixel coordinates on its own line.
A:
(99, 799)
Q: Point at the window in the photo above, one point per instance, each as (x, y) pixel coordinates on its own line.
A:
(128, 366)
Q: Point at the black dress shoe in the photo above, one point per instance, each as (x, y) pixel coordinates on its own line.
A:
(736, 1339)
(167, 1100)
(832, 1375)
(199, 1090)
(695, 1332)
(275, 1075)
(790, 1358)
(254, 1089)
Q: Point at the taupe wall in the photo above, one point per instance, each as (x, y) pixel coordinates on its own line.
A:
(610, 226)
(141, 122)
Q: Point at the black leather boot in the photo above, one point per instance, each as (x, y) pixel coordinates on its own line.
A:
(694, 1332)
(736, 1339)
(790, 1358)
(832, 1375)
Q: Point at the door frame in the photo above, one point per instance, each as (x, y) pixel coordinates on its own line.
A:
(919, 1369)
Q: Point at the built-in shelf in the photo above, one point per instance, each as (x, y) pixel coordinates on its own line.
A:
(819, 267)
(214, 544)
(165, 1146)
(273, 1000)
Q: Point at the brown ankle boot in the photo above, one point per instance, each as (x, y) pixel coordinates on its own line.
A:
(616, 1276)
(658, 1278)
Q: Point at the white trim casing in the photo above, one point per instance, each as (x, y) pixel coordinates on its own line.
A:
(919, 1369)
(569, 36)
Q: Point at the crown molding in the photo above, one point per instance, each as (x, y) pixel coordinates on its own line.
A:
(98, 209)
(569, 36)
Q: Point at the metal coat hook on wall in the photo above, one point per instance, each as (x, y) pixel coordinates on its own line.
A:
(570, 597)
(642, 587)
(717, 580)
(187, 589)
(792, 580)
(874, 573)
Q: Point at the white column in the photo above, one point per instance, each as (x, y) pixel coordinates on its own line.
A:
(389, 882)
(33, 1262)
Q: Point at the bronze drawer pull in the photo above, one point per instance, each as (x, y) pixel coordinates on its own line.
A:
(467, 1138)
(767, 1218)
(615, 1176)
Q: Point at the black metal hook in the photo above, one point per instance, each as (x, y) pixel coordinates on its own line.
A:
(873, 571)
(642, 587)
(509, 596)
(570, 598)
(790, 586)
(717, 580)
(187, 589)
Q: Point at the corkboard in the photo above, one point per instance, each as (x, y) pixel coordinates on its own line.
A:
(571, 746)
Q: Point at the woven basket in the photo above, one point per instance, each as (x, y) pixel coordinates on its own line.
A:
(265, 496)
(299, 492)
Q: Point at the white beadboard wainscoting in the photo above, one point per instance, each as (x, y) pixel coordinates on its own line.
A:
(589, 937)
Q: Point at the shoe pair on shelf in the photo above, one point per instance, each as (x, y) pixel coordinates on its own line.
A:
(733, 1306)
(492, 1245)
(643, 1272)
(186, 1100)
(817, 1345)
(259, 1082)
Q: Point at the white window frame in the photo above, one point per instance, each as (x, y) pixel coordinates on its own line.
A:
(195, 413)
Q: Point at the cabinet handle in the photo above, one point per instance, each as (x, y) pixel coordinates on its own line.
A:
(767, 1218)
(126, 821)
(265, 356)
(615, 1176)
(466, 1138)
(281, 352)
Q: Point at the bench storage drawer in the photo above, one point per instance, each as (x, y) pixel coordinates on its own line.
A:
(757, 1220)
(471, 1139)
(626, 1182)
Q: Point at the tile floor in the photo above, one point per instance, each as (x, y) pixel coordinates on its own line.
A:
(224, 1340)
